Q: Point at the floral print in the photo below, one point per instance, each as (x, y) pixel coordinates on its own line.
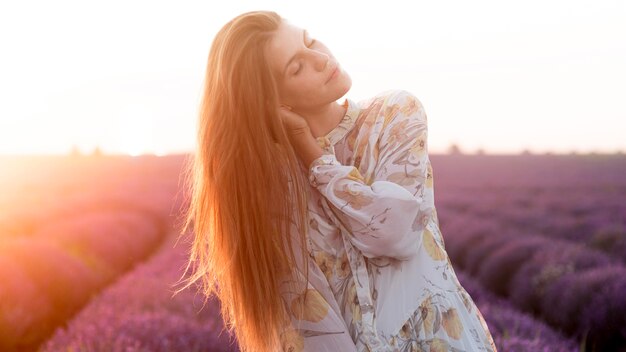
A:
(381, 278)
(309, 305)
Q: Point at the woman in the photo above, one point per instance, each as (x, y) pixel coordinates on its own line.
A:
(314, 221)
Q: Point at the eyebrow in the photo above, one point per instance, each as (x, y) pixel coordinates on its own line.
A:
(304, 32)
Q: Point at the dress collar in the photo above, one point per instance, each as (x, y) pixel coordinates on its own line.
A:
(345, 125)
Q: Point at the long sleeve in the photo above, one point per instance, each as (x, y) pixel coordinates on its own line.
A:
(386, 217)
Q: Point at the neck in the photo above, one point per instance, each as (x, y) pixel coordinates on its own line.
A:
(323, 119)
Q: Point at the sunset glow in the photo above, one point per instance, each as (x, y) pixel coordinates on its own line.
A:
(497, 77)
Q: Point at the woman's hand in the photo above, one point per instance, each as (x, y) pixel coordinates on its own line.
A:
(295, 124)
(300, 136)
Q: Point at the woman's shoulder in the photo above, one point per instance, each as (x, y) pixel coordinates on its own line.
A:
(398, 105)
(394, 99)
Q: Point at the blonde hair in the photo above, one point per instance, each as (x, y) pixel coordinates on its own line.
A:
(246, 187)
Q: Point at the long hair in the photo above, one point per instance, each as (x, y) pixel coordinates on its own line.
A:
(246, 185)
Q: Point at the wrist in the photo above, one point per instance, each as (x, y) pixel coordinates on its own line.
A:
(306, 148)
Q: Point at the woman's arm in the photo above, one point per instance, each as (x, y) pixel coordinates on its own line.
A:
(386, 217)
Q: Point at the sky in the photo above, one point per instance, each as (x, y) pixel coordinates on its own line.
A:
(497, 76)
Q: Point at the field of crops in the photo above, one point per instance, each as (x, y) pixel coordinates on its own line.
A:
(89, 253)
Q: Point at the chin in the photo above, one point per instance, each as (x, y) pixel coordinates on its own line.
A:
(344, 85)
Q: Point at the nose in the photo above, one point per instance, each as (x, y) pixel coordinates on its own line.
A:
(321, 60)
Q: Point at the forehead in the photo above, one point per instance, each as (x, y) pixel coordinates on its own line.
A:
(282, 45)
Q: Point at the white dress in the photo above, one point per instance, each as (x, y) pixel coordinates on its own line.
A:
(379, 272)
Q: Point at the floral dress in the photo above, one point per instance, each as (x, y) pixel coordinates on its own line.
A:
(380, 278)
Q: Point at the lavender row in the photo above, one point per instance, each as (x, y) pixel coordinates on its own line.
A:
(49, 276)
(141, 313)
(534, 271)
(591, 217)
(512, 329)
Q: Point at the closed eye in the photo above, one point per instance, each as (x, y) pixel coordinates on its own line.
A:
(300, 66)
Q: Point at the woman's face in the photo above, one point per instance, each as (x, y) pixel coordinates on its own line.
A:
(303, 67)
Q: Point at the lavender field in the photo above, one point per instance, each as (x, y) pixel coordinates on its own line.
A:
(89, 253)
